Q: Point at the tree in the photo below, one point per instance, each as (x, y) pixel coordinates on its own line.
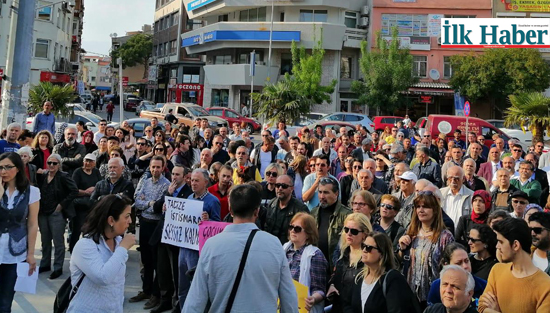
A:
(531, 109)
(387, 72)
(137, 50)
(498, 73)
(295, 94)
(58, 95)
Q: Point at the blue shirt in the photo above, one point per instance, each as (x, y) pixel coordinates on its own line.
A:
(6, 146)
(44, 122)
(211, 205)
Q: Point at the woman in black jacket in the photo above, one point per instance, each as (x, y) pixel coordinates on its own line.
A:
(481, 207)
(379, 288)
(42, 147)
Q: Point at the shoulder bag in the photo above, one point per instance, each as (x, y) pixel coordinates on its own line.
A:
(65, 294)
(240, 272)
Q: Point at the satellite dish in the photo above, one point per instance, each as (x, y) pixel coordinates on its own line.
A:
(434, 74)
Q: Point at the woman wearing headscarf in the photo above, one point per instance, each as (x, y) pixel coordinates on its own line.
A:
(481, 207)
(88, 142)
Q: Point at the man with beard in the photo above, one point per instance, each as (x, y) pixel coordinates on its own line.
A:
(10, 144)
(72, 153)
(310, 193)
(539, 223)
(516, 285)
(282, 208)
(114, 183)
(221, 189)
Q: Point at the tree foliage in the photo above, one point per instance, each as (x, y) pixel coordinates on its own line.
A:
(137, 50)
(498, 73)
(58, 95)
(387, 71)
(295, 94)
(530, 109)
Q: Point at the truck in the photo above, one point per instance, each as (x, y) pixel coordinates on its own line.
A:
(186, 113)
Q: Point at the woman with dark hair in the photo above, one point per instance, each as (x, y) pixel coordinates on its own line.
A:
(127, 142)
(421, 248)
(307, 263)
(19, 204)
(497, 216)
(160, 137)
(482, 241)
(348, 168)
(297, 170)
(378, 287)
(99, 259)
(88, 142)
(481, 206)
(80, 129)
(42, 146)
(455, 254)
(381, 166)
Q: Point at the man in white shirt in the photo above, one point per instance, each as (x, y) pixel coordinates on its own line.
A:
(284, 147)
(456, 200)
(101, 132)
(326, 149)
(539, 223)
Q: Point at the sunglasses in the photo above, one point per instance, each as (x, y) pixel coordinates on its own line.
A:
(297, 229)
(148, 130)
(51, 163)
(425, 136)
(538, 230)
(367, 248)
(520, 202)
(219, 143)
(159, 149)
(357, 167)
(353, 232)
(312, 165)
(282, 185)
(517, 150)
(472, 240)
(271, 174)
(387, 206)
(141, 143)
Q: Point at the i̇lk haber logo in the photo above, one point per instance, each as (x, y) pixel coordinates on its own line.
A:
(495, 33)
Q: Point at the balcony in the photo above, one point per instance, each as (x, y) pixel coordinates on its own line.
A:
(238, 74)
(62, 65)
(256, 35)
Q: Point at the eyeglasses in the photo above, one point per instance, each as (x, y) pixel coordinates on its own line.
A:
(8, 167)
(312, 165)
(148, 130)
(282, 185)
(102, 124)
(271, 174)
(426, 136)
(472, 240)
(359, 204)
(520, 202)
(297, 229)
(538, 230)
(51, 163)
(539, 146)
(368, 249)
(387, 206)
(353, 232)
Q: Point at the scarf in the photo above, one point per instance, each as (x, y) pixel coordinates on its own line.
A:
(481, 218)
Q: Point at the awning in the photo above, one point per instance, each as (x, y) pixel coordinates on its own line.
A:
(431, 88)
(46, 76)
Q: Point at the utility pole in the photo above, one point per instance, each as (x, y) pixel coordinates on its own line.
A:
(120, 93)
(270, 43)
(18, 62)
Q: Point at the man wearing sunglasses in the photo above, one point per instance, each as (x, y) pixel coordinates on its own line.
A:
(518, 201)
(218, 154)
(539, 223)
(282, 208)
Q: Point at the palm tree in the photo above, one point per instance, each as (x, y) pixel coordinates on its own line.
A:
(531, 109)
(59, 96)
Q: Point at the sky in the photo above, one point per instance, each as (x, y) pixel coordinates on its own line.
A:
(103, 17)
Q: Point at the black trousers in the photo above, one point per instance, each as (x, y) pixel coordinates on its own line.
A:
(167, 270)
(76, 224)
(148, 257)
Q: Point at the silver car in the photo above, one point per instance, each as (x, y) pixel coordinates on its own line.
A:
(351, 118)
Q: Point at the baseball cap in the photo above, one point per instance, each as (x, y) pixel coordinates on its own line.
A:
(90, 156)
(519, 194)
(408, 175)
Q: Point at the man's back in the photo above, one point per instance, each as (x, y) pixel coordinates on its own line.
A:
(265, 279)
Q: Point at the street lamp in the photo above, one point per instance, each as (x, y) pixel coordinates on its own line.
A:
(121, 94)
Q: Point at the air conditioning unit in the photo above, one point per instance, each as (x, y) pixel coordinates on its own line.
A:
(365, 11)
(363, 22)
(439, 40)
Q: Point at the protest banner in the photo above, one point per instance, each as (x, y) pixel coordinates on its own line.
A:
(208, 229)
(303, 293)
(181, 222)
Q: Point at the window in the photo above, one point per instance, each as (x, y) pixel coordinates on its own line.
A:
(93, 78)
(220, 97)
(193, 24)
(216, 112)
(286, 63)
(231, 114)
(167, 23)
(408, 24)
(161, 24)
(223, 17)
(75, 28)
(313, 15)
(173, 47)
(244, 58)
(352, 117)
(68, 24)
(253, 15)
(45, 14)
(420, 65)
(161, 49)
(173, 72)
(174, 19)
(336, 117)
(58, 18)
(167, 48)
(447, 69)
(345, 68)
(350, 19)
(155, 52)
(226, 59)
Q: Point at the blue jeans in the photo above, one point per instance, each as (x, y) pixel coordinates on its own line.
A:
(8, 276)
(188, 259)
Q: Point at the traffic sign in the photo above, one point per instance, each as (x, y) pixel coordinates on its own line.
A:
(467, 108)
(125, 81)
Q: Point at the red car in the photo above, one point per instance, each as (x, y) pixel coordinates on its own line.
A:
(233, 116)
(381, 122)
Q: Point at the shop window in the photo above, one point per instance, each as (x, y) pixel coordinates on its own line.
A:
(220, 98)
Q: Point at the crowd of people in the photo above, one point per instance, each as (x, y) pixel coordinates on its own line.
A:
(368, 222)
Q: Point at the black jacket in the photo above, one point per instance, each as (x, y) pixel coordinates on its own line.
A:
(256, 160)
(156, 237)
(65, 190)
(103, 188)
(278, 226)
(32, 174)
(68, 153)
(343, 280)
(399, 297)
(38, 158)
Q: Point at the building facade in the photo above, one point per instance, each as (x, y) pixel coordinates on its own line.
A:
(233, 29)
(97, 73)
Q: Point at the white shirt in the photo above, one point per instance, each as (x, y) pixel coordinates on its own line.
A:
(366, 290)
(452, 205)
(5, 255)
(97, 136)
(541, 263)
(495, 167)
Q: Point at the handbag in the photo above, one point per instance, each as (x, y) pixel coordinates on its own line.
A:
(65, 294)
(240, 272)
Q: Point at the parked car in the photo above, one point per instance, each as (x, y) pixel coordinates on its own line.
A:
(514, 131)
(381, 122)
(233, 116)
(145, 105)
(292, 128)
(131, 104)
(350, 118)
(139, 124)
(334, 125)
(315, 115)
(186, 114)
